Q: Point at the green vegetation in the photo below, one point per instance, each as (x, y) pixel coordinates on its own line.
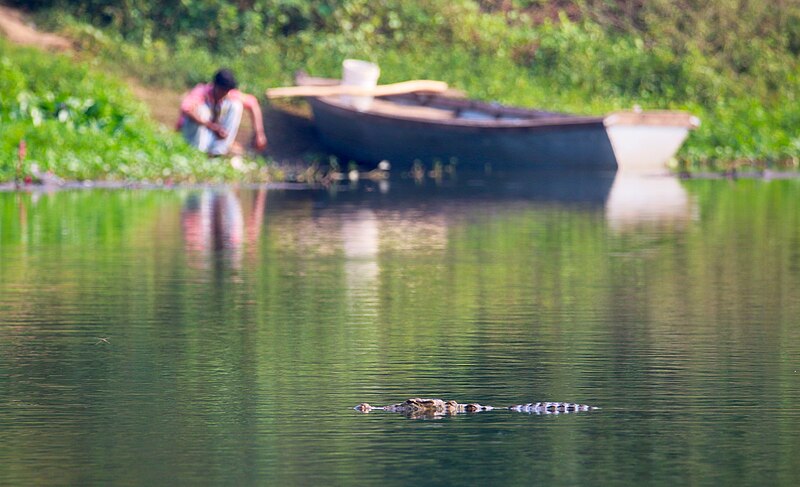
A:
(82, 124)
(732, 63)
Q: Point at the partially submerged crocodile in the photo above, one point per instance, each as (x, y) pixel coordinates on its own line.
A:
(418, 407)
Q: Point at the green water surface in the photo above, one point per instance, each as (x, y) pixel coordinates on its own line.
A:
(222, 336)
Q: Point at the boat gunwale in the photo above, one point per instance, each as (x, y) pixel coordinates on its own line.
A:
(526, 118)
(523, 118)
(544, 123)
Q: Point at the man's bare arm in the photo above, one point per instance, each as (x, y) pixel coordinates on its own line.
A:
(218, 129)
(258, 125)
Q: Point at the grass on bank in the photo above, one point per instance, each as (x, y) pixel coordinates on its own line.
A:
(81, 124)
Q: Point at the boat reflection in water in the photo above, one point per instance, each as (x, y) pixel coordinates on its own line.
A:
(628, 200)
(360, 243)
(365, 220)
(215, 225)
(638, 200)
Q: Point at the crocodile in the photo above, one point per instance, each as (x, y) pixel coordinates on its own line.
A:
(434, 408)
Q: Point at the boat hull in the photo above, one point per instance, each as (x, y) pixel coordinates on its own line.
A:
(367, 137)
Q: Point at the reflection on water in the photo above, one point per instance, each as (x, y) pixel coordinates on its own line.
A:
(360, 235)
(637, 199)
(213, 224)
(360, 242)
(240, 334)
(629, 201)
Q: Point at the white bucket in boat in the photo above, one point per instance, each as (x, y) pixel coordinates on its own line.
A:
(362, 74)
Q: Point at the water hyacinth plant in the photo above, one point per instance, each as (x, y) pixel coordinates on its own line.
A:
(81, 124)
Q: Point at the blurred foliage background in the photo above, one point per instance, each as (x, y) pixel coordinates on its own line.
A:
(734, 63)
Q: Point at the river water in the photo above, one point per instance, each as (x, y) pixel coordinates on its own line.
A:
(222, 336)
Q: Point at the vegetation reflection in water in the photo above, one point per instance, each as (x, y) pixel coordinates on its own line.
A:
(223, 336)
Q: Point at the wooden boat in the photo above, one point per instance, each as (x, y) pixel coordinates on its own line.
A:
(433, 126)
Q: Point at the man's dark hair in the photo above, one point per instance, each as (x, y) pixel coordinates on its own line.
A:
(224, 79)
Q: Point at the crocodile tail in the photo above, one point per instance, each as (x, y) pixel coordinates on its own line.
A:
(551, 408)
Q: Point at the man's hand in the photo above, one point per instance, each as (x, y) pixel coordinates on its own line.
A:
(218, 129)
(261, 142)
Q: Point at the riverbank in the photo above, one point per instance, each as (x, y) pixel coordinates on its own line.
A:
(739, 74)
(55, 117)
(583, 62)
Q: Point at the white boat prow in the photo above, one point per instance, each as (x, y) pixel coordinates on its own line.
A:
(644, 142)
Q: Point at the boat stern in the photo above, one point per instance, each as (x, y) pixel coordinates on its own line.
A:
(645, 141)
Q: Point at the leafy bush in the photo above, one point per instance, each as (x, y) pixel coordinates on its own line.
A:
(84, 125)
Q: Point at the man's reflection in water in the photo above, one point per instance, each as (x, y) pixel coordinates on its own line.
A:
(216, 228)
(22, 207)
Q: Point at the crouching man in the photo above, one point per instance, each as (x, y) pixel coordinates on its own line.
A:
(211, 114)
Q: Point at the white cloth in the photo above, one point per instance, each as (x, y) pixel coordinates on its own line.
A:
(230, 117)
